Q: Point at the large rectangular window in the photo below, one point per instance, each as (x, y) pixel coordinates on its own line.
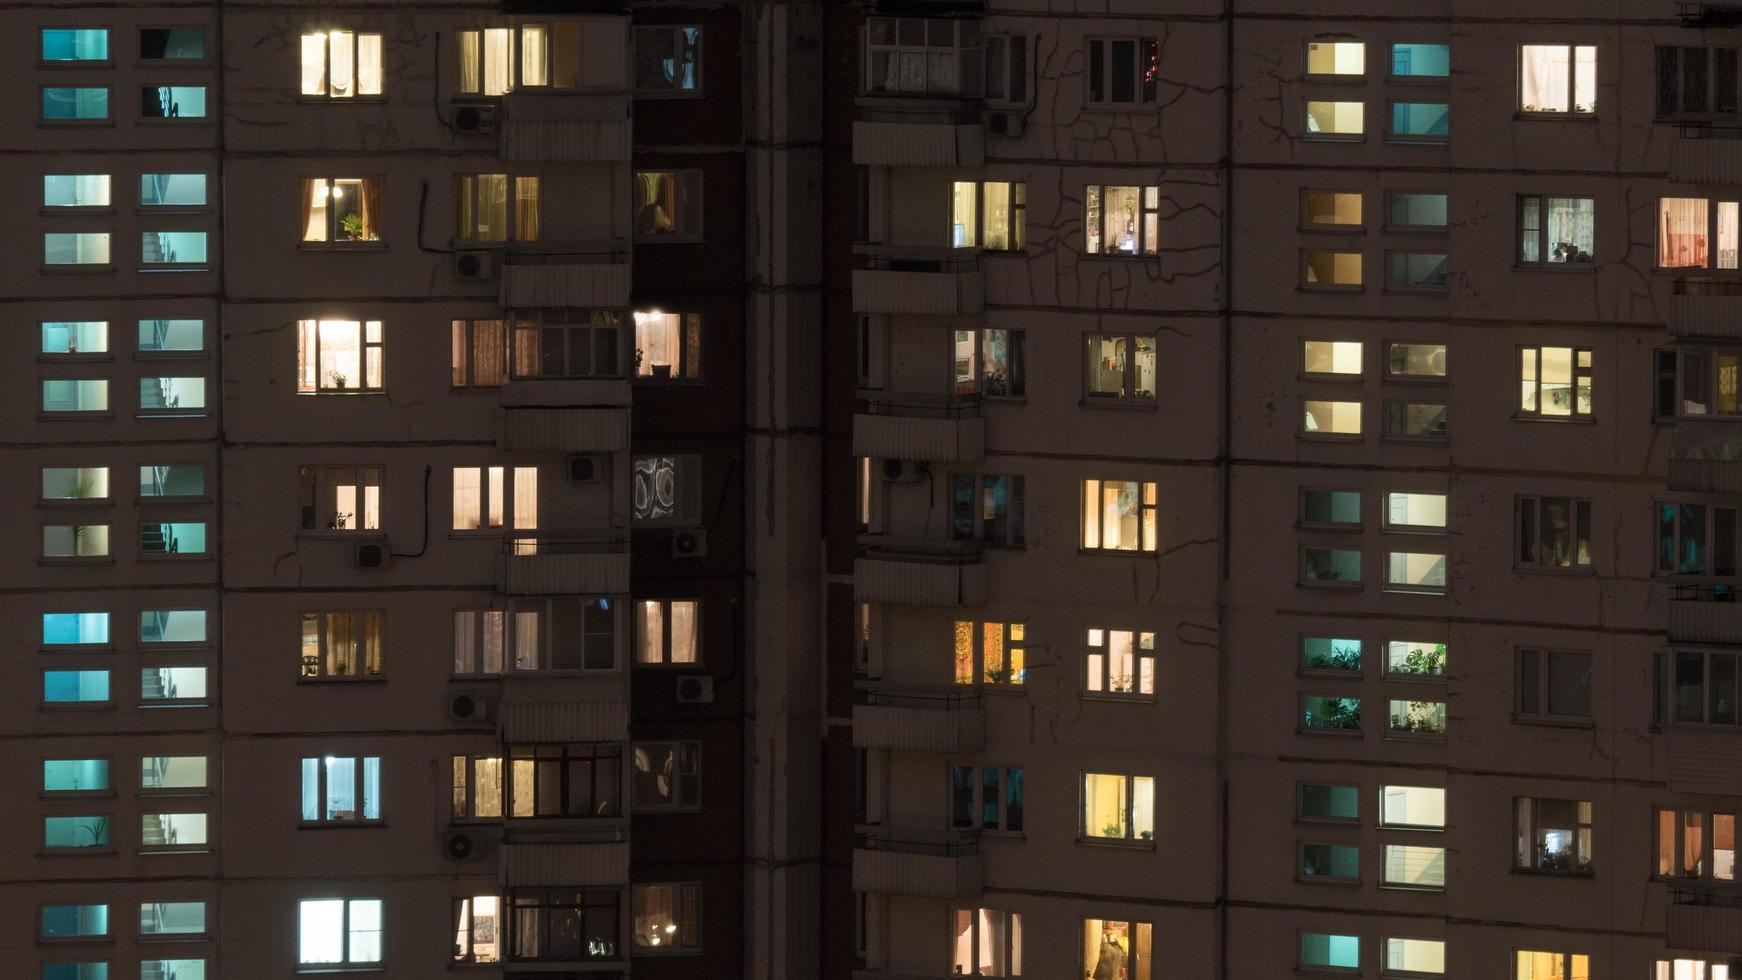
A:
(1557, 79)
(496, 208)
(172, 480)
(1700, 688)
(668, 346)
(1119, 515)
(1556, 230)
(1696, 845)
(563, 924)
(71, 338)
(1554, 532)
(75, 629)
(1696, 81)
(1327, 120)
(172, 102)
(74, 922)
(666, 776)
(1553, 835)
(75, 540)
(1118, 807)
(1412, 866)
(558, 633)
(75, 103)
(1118, 949)
(1121, 220)
(987, 507)
(69, 483)
(985, 943)
(339, 931)
(567, 343)
(341, 209)
(1320, 713)
(75, 775)
(172, 832)
(1685, 233)
(1124, 71)
(172, 774)
(341, 789)
(565, 781)
(665, 490)
(990, 652)
(62, 833)
(1554, 382)
(1120, 366)
(668, 205)
(75, 190)
(491, 497)
(666, 918)
(340, 645)
(172, 190)
(340, 355)
(990, 362)
(1329, 951)
(1120, 663)
(341, 64)
(75, 248)
(922, 56)
(63, 44)
(480, 353)
(1554, 685)
(339, 498)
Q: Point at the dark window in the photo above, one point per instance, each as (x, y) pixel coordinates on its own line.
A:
(563, 924)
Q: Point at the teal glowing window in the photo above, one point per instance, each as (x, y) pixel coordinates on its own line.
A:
(75, 775)
(75, 103)
(1421, 120)
(66, 628)
(75, 686)
(1421, 60)
(75, 831)
(74, 921)
(172, 102)
(1322, 949)
(75, 44)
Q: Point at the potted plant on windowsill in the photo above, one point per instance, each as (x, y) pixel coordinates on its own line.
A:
(352, 226)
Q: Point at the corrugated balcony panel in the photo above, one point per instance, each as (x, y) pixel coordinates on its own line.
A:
(916, 729)
(544, 284)
(1705, 455)
(949, 440)
(564, 708)
(557, 563)
(562, 863)
(574, 430)
(919, 144)
(1702, 761)
(901, 291)
(1706, 310)
(565, 140)
(919, 583)
(1696, 621)
(917, 867)
(566, 392)
(1706, 928)
(1707, 161)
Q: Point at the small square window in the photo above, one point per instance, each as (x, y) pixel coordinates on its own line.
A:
(1124, 71)
(1554, 685)
(1328, 803)
(668, 206)
(667, 918)
(1330, 862)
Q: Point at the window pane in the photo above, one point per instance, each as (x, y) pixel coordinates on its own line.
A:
(1335, 118)
(1421, 60)
(75, 190)
(1346, 58)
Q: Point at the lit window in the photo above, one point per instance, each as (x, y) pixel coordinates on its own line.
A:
(1331, 358)
(172, 832)
(75, 44)
(1422, 512)
(549, 57)
(1330, 653)
(668, 58)
(172, 684)
(478, 929)
(338, 931)
(75, 540)
(1555, 382)
(496, 208)
(668, 631)
(74, 921)
(1330, 714)
(172, 102)
(171, 336)
(485, 497)
(171, 773)
(567, 343)
(1412, 807)
(565, 780)
(990, 362)
(181, 969)
(83, 970)
(63, 833)
(1556, 230)
(1418, 421)
(1415, 657)
(1557, 78)
(666, 776)
(1416, 270)
(172, 919)
(1330, 418)
(1414, 957)
(1414, 571)
(1330, 862)
(1554, 685)
(1322, 951)
(990, 653)
(1421, 61)
(172, 480)
(1118, 807)
(1683, 970)
(1416, 211)
(480, 353)
(1696, 81)
(172, 626)
(75, 775)
(172, 190)
(486, 61)
(75, 248)
(1423, 362)
(1697, 845)
(1553, 835)
(1121, 220)
(341, 789)
(1119, 515)
(1554, 532)
(666, 490)
(75, 483)
(477, 787)
(74, 337)
(172, 538)
(668, 205)
(986, 798)
(922, 56)
(985, 943)
(172, 396)
(1124, 71)
(1539, 965)
(339, 498)
(1112, 948)
(1120, 663)
(1682, 238)
(339, 355)
(341, 64)
(564, 924)
(1331, 209)
(569, 633)
(1330, 270)
(986, 507)
(341, 209)
(988, 215)
(1319, 802)
(667, 918)
(75, 629)
(1331, 566)
(75, 190)
(172, 44)
(1420, 122)
(668, 346)
(1336, 59)
(1119, 366)
(75, 104)
(1326, 120)
(340, 644)
(172, 248)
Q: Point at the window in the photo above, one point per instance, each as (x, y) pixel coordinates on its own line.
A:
(1420, 122)
(985, 943)
(484, 496)
(1112, 948)
(172, 396)
(170, 336)
(339, 498)
(1696, 81)
(1331, 566)
(75, 190)
(75, 629)
(1331, 210)
(990, 362)
(341, 209)
(1556, 230)
(75, 775)
(1558, 79)
(1685, 970)
(1414, 958)
(1424, 62)
(558, 633)
(74, 921)
(1330, 270)
(564, 924)
(1415, 657)
(170, 248)
(164, 919)
(1336, 60)
(1330, 654)
(1120, 663)
(478, 929)
(1554, 532)
(990, 653)
(666, 776)
(75, 248)
(75, 483)
(1411, 211)
(1682, 238)
(668, 346)
(1412, 808)
(1555, 382)
(1330, 419)
(339, 355)
(565, 781)
(668, 631)
(1330, 508)
(339, 931)
(496, 207)
(172, 480)
(1538, 965)
(172, 190)
(1419, 512)
(986, 507)
(1696, 539)
(165, 538)
(1336, 714)
(341, 644)
(1696, 844)
(1007, 69)
(1121, 220)
(75, 103)
(1415, 571)
(1326, 120)
(1553, 835)
(564, 343)
(1328, 951)
(1119, 515)
(1124, 71)
(168, 774)
(172, 44)
(1702, 688)
(1704, 380)
(91, 970)
(190, 969)
(480, 352)
(1339, 359)
(172, 102)
(60, 833)
(75, 540)
(1415, 270)
(1423, 421)
(549, 58)
(477, 787)
(1120, 366)
(922, 56)
(666, 918)
(341, 789)
(668, 58)
(988, 215)
(341, 64)
(74, 337)
(1330, 862)
(985, 798)
(668, 205)
(171, 832)
(1331, 804)
(666, 490)
(185, 684)
(164, 626)
(75, 44)
(1415, 362)
(1118, 807)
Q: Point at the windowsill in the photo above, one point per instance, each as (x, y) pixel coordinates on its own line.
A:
(147, 210)
(1118, 257)
(86, 504)
(1121, 106)
(660, 95)
(1523, 115)
(1569, 571)
(174, 851)
(1116, 844)
(75, 124)
(191, 937)
(1416, 230)
(1122, 404)
(1330, 732)
(1410, 829)
(1413, 590)
(1326, 882)
(665, 665)
(668, 240)
(76, 211)
(1331, 585)
(1402, 677)
(1334, 379)
(1550, 722)
(175, 793)
(1333, 528)
(95, 560)
(1347, 79)
(191, 122)
(348, 100)
(78, 794)
(1545, 873)
(1392, 139)
(1329, 288)
(172, 703)
(1430, 441)
(340, 534)
(341, 680)
(1328, 229)
(76, 269)
(1408, 379)
(1410, 289)
(341, 825)
(1554, 267)
(1439, 80)
(177, 557)
(654, 381)
(370, 968)
(368, 246)
(1327, 821)
(1328, 437)
(1398, 887)
(1107, 698)
(1115, 553)
(75, 65)
(97, 941)
(190, 267)
(1430, 532)
(343, 392)
(1331, 138)
(71, 706)
(182, 416)
(1330, 674)
(1426, 738)
(171, 355)
(77, 852)
(75, 416)
(1555, 419)
(96, 357)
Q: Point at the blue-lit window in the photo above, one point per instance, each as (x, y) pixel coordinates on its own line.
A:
(75, 775)
(172, 684)
(75, 395)
(75, 248)
(172, 396)
(1423, 121)
(91, 831)
(173, 480)
(169, 539)
(75, 686)
(167, 190)
(64, 628)
(167, 336)
(75, 971)
(341, 789)
(75, 337)
(74, 921)
(174, 625)
(172, 248)
(668, 58)
(1421, 60)
(172, 102)
(75, 190)
(75, 44)
(1319, 949)
(75, 103)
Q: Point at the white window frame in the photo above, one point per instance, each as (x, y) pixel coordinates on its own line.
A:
(1143, 93)
(329, 92)
(1098, 677)
(359, 794)
(347, 931)
(359, 658)
(326, 479)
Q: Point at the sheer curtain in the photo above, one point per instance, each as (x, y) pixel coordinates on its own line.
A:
(315, 214)
(1543, 77)
(1682, 238)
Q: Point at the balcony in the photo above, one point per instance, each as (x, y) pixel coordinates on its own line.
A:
(919, 863)
(571, 855)
(571, 429)
(919, 133)
(564, 563)
(1706, 13)
(916, 719)
(566, 127)
(1705, 920)
(564, 707)
(918, 280)
(919, 572)
(554, 274)
(1705, 455)
(1707, 307)
(942, 428)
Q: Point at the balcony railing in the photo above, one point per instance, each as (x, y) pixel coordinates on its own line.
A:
(591, 852)
(1705, 455)
(1704, 918)
(546, 275)
(916, 279)
(925, 864)
(919, 571)
(1705, 13)
(917, 719)
(908, 425)
(569, 126)
(564, 562)
(1709, 307)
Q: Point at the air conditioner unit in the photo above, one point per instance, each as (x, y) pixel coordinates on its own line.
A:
(469, 709)
(479, 119)
(463, 845)
(689, 542)
(474, 265)
(695, 689)
(1004, 122)
(372, 555)
(586, 469)
(904, 470)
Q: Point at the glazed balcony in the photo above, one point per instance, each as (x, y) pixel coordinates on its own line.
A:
(565, 127)
(1707, 307)
(918, 280)
(1702, 758)
(565, 856)
(918, 719)
(917, 863)
(1705, 612)
(920, 95)
(941, 428)
(1705, 455)
(552, 706)
(564, 563)
(919, 572)
(546, 275)
(1706, 919)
